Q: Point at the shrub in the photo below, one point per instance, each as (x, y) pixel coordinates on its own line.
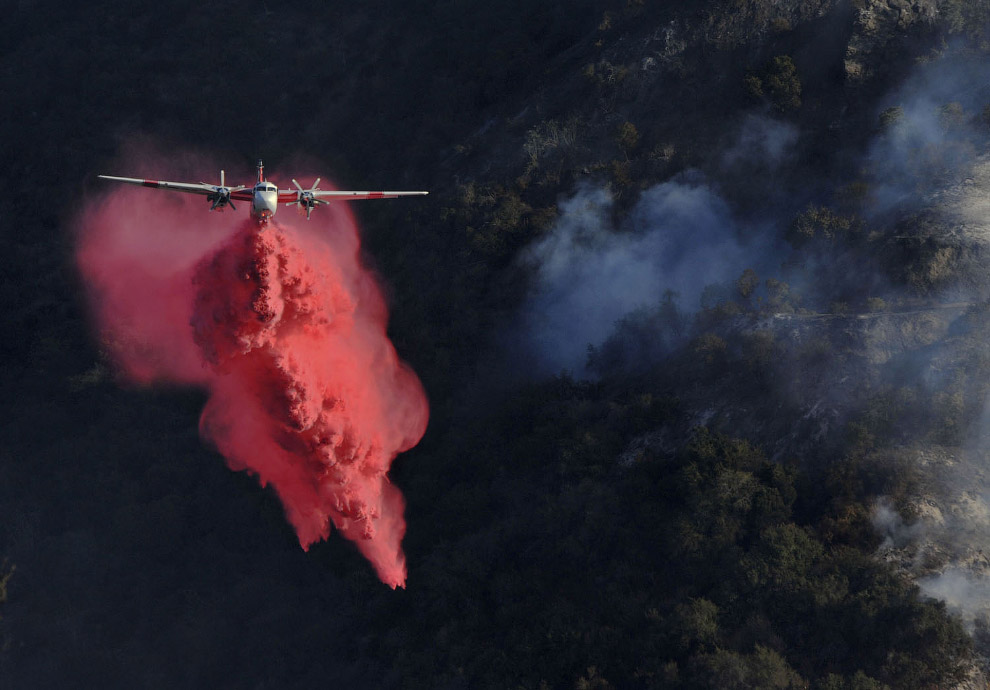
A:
(747, 283)
(754, 85)
(952, 116)
(876, 304)
(783, 84)
(820, 222)
(628, 137)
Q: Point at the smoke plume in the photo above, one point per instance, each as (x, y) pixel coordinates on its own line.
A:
(932, 128)
(285, 330)
(963, 591)
(678, 239)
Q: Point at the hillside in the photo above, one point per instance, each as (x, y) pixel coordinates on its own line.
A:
(697, 298)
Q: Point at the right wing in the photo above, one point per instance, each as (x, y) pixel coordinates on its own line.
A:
(286, 196)
(349, 196)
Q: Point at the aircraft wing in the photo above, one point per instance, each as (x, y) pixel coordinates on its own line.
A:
(191, 187)
(287, 195)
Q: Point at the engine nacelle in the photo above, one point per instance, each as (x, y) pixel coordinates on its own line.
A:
(306, 198)
(219, 199)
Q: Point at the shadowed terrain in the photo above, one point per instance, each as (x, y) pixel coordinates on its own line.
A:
(698, 300)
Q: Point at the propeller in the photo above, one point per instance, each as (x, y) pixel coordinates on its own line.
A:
(306, 198)
(220, 196)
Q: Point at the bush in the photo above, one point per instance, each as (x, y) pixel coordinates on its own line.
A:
(890, 117)
(710, 348)
(952, 116)
(821, 223)
(875, 304)
(782, 84)
(747, 283)
(754, 86)
(628, 137)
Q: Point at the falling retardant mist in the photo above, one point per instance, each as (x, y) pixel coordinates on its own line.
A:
(285, 329)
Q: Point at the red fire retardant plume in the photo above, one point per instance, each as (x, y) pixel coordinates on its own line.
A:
(286, 330)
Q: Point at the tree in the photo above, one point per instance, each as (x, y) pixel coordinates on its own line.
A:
(628, 137)
(889, 117)
(696, 625)
(764, 669)
(821, 223)
(747, 283)
(783, 84)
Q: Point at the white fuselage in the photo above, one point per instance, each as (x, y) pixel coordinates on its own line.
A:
(265, 200)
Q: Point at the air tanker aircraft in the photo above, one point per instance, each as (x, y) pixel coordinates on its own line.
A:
(264, 196)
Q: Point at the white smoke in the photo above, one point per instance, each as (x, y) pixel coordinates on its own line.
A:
(965, 592)
(933, 126)
(889, 524)
(680, 236)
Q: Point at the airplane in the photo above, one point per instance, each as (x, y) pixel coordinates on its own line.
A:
(264, 196)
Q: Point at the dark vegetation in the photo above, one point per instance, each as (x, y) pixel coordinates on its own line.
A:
(680, 523)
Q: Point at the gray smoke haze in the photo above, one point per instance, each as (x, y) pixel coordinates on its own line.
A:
(762, 141)
(889, 523)
(679, 238)
(589, 275)
(930, 159)
(965, 592)
(932, 128)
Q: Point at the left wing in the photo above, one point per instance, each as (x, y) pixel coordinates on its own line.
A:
(220, 195)
(194, 188)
